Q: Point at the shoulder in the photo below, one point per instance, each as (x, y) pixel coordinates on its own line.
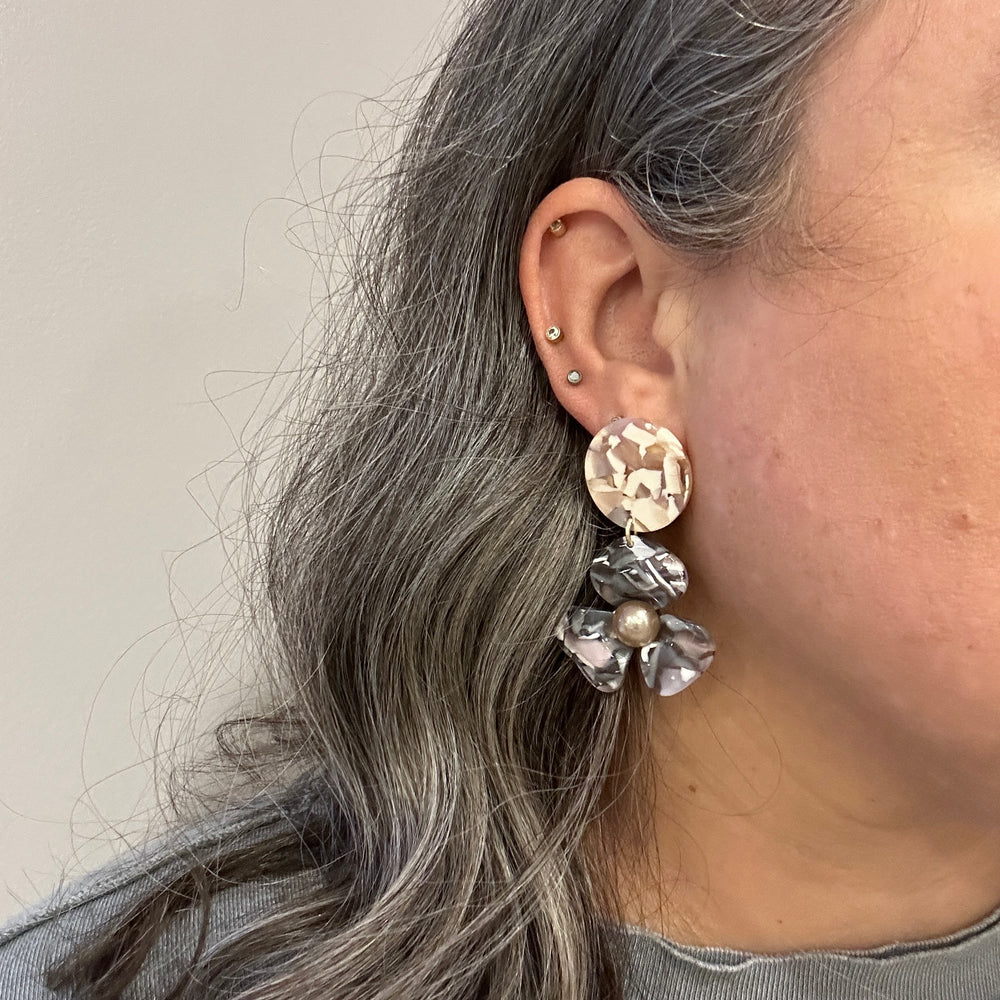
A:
(37, 939)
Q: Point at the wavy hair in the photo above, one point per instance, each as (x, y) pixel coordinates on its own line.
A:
(462, 783)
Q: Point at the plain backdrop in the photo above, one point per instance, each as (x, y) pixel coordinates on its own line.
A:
(154, 161)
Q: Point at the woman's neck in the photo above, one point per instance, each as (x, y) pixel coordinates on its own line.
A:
(784, 820)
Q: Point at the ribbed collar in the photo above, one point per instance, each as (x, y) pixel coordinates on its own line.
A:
(964, 965)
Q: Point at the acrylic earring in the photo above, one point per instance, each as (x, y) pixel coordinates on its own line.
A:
(639, 477)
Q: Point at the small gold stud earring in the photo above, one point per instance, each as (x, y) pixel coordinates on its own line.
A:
(574, 377)
(558, 228)
(553, 335)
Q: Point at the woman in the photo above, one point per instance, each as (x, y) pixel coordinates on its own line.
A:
(762, 233)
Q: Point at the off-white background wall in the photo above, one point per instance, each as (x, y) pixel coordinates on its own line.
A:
(148, 155)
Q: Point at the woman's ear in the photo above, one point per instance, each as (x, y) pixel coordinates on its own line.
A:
(620, 301)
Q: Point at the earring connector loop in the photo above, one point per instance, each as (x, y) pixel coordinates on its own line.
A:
(629, 531)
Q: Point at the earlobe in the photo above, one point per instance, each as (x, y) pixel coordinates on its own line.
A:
(595, 287)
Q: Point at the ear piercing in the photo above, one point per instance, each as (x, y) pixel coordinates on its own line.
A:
(553, 334)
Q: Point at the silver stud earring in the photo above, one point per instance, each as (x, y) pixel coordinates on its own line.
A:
(574, 377)
(639, 477)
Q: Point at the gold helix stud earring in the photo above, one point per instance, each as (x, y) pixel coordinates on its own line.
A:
(557, 228)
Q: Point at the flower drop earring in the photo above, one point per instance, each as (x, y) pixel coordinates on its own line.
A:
(640, 478)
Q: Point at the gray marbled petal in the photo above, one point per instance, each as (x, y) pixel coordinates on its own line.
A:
(681, 654)
(586, 636)
(646, 572)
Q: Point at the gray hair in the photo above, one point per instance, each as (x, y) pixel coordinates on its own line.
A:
(430, 524)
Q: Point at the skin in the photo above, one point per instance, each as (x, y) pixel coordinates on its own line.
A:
(834, 780)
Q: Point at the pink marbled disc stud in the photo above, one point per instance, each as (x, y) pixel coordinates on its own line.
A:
(635, 469)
